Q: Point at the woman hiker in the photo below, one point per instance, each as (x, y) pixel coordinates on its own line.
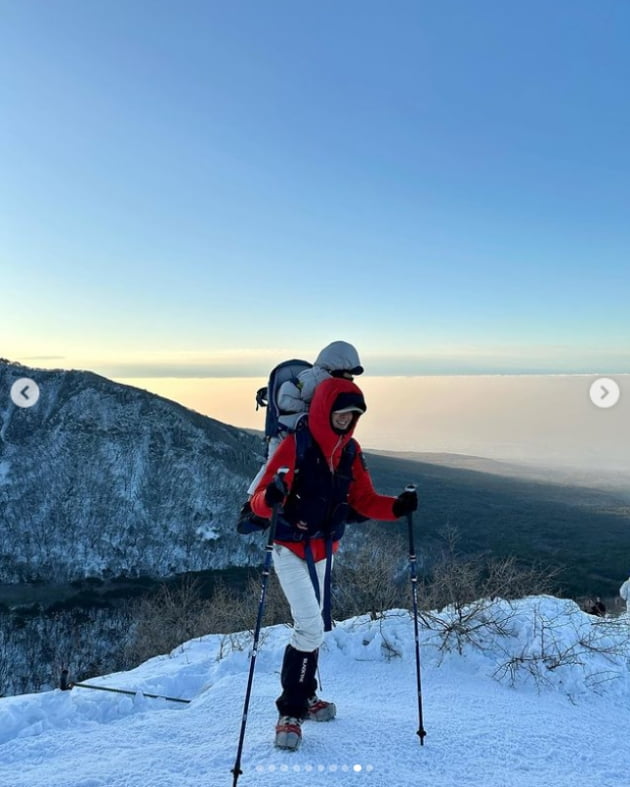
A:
(315, 498)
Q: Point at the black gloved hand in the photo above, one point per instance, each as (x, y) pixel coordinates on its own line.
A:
(275, 492)
(405, 503)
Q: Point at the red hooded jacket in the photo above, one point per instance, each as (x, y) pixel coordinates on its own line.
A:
(361, 495)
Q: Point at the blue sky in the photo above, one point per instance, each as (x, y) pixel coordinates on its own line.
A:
(195, 188)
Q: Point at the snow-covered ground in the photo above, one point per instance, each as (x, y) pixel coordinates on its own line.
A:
(496, 714)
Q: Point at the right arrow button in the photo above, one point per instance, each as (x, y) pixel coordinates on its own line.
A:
(604, 392)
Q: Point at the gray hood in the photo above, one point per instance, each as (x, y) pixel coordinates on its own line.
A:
(339, 356)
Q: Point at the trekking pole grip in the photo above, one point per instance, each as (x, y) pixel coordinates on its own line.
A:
(279, 478)
(412, 548)
(275, 510)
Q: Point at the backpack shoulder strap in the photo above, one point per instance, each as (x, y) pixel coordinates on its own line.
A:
(303, 441)
(347, 458)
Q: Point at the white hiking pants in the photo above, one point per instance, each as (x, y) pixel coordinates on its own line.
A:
(296, 584)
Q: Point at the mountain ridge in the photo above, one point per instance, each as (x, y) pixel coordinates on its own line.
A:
(116, 481)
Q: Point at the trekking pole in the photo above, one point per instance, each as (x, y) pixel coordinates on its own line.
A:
(414, 593)
(236, 770)
(65, 684)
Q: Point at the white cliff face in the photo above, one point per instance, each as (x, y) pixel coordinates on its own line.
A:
(101, 479)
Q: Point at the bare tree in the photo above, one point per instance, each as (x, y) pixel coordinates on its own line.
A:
(176, 614)
(465, 590)
(370, 579)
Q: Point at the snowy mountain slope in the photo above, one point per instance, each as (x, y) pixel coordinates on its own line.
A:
(567, 726)
(103, 479)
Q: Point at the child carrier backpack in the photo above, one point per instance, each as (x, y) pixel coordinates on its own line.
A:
(268, 396)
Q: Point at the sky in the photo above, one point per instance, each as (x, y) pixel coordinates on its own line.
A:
(199, 190)
(494, 716)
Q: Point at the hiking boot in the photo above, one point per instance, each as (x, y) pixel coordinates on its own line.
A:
(288, 733)
(320, 710)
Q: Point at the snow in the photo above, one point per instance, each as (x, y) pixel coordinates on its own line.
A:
(557, 721)
(208, 532)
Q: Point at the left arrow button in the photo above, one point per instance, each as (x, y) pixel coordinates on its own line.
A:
(24, 392)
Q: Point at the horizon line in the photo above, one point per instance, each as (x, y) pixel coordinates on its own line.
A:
(225, 372)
